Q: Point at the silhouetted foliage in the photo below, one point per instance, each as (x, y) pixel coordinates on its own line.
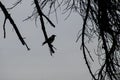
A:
(101, 19)
(104, 16)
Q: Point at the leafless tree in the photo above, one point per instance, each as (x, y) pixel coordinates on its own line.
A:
(101, 19)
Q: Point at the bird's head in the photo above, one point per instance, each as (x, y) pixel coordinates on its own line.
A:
(54, 35)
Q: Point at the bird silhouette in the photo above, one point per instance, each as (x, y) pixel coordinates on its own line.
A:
(49, 40)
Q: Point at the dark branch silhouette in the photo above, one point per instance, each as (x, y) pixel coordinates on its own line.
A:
(101, 19)
(83, 37)
(43, 26)
(105, 20)
(7, 16)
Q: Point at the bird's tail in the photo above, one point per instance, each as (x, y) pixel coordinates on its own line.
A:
(44, 43)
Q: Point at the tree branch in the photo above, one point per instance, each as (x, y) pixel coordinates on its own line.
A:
(7, 16)
(43, 26)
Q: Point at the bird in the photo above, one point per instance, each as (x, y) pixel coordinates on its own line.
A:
(49, 40)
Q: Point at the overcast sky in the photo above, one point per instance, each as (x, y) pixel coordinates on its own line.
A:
(16, 63)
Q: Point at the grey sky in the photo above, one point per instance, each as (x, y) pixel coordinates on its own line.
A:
(16, 63)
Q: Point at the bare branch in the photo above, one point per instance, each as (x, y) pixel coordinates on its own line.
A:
(43, 27)
(7, 16)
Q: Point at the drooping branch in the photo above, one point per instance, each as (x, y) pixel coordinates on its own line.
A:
(83, 39)
(8, 16)
(41, 15)
(105, 19)
(15, 4)
(101, 20)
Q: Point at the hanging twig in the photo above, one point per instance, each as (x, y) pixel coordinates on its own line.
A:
(43, 26)
(8, 16)
(83, 37)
